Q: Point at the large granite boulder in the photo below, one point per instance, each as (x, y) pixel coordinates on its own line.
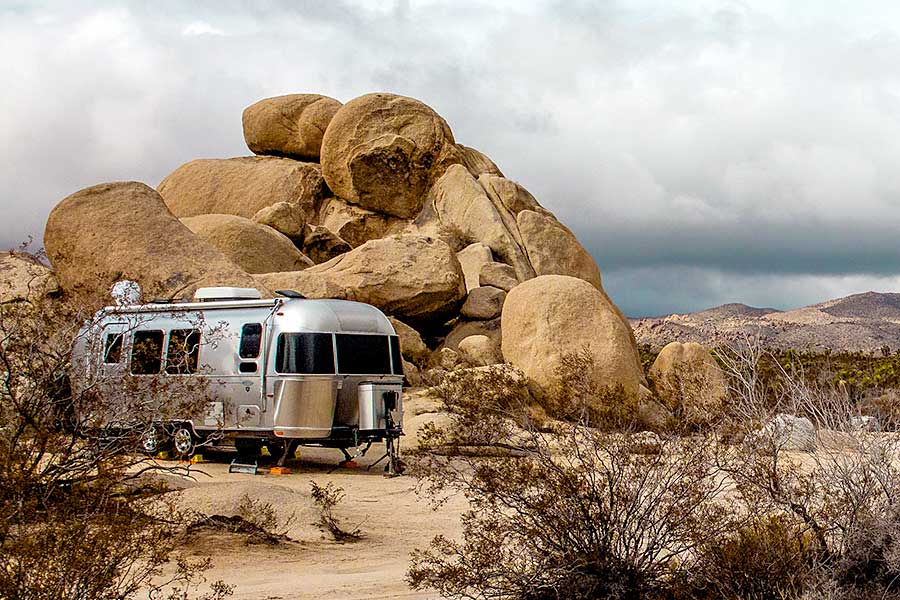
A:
(497, 275)
(383, 152)
(472, 258)
(415, 278)
(458, 201)
(687, 379)
(320, 244)
(253, 247)
(476, 162)
(550, 316)
(285, 218)
(553, 249)
(123, 230)
(412, 347)
(483, 303)
(291, 125)
(242, 186)
(24, 278)
(356, 225)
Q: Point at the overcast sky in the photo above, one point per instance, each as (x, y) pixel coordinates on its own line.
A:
(704, 152)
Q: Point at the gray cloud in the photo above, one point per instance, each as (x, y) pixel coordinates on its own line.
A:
(703, 153)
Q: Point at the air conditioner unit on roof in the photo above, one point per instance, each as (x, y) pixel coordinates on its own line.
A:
(213, 294)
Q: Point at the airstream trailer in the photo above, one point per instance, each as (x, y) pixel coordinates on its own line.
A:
(279, 372)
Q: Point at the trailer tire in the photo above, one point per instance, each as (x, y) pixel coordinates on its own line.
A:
(153, 441)
(183, 441)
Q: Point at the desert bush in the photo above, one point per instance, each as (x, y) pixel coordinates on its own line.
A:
(768, 558)
(578, 397)
(580, 516)
(78, 516)
(327, 497)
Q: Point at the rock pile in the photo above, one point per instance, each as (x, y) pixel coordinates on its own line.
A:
(372, 200)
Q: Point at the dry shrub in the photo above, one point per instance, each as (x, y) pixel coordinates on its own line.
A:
(77, 516)
(327, 498)
(579, 517)
(578, 397)
(768, 558)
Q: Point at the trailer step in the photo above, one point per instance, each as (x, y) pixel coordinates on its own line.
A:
(242, 466)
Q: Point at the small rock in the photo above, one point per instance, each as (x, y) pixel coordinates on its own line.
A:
(865, 423)
(498, 275)
(480, 350)
(321, 245)
(483, 303)
(645, 442)
(789, 433)
(285, 218)
(411, 345)
(448, 359)
(473, 258)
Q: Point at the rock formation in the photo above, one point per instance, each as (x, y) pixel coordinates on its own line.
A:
(115, 231)
(389, 208)
(24, 278)
(689, 382)
(552, 315)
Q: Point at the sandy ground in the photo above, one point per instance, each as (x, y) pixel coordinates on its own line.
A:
(392, 517)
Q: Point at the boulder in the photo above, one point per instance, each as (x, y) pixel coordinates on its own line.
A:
(449, 359)
(464, 329)
(285, 218)
(412, 374)
(472, 258)
(321, 245)
(253, 247)
(476, 162)
(291, 125)
(415, 278)
(383, 152)
(689, 382)
(458, 201)
(412, 347)
(787, 433)
(550, 316)
(497, 275)
(483, 303)
(356, 225)
(553, 249)
(480, 351)
(24, 278)
(123, 230)
(242, 186)
(509, 194)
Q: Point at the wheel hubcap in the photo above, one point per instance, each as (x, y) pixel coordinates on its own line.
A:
(150, 441)
(183, 441)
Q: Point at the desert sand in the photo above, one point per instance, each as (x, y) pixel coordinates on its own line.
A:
(391, 516)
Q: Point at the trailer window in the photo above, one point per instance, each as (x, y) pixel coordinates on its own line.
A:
(146, 352)
(183, 351)
(363, 354)
(112, 348)
(310, 353)
(396, 357)
(251, 340)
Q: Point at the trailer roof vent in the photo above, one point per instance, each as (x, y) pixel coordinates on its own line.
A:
(214, 294)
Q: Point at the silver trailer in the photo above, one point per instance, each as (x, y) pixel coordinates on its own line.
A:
(279, 372)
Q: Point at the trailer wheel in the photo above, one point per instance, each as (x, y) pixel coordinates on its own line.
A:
(152, 441)
(183, 441)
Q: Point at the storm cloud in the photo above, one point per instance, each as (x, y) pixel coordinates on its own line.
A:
(703, 152)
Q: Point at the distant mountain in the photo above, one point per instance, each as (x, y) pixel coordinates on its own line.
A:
(865, 321)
